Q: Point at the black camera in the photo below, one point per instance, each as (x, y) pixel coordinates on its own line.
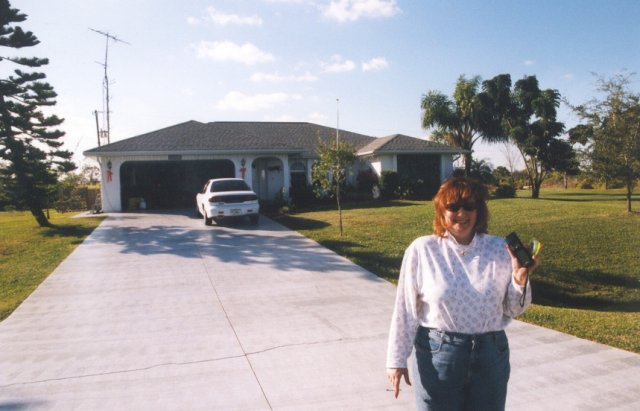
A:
(521, 252)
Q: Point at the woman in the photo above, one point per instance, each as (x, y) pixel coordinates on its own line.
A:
(457, 291)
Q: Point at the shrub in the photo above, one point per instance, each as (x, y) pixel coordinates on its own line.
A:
(301, 195)
(389, 185)
(586, 183)
(504, 191)
(366, 179)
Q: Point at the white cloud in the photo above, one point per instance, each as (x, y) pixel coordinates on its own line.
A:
(375, 64)
(278, 78)
(238, 101)
(287, 1)
(246, 53)
(352, 10)
(529, 62)
(568, 76)
(338, 65)
(223, 19)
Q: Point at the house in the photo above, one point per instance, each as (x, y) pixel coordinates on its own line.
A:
(165, 168)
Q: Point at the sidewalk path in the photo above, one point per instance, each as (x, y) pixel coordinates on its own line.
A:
(158, 312)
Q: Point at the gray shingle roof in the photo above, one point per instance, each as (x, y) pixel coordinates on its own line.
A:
(222, 136)
(399, 143)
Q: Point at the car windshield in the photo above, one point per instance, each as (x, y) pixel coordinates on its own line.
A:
(229, 185)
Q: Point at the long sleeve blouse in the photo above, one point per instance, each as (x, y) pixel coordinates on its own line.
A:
(452, 287)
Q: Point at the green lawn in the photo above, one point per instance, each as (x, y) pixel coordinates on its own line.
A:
(588, 283)
(28, 253)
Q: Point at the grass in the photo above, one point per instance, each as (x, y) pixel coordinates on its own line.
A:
(28, 253)
(588, 284)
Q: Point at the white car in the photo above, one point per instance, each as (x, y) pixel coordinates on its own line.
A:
(223, 198)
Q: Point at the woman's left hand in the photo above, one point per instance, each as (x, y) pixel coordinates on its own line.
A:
(520, 273)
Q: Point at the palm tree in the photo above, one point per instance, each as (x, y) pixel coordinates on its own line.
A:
(470, 116)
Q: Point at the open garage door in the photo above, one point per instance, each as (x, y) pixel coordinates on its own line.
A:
(168, 184)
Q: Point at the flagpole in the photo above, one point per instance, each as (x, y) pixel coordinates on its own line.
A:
(337, 121)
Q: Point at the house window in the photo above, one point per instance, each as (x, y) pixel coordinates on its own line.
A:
(298, 175)
(298, 189)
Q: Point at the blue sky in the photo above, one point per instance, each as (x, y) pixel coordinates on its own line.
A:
(289, 60)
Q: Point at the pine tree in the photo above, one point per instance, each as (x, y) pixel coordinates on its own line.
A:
(30, 146)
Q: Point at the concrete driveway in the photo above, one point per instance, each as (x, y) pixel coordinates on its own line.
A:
(158, 312)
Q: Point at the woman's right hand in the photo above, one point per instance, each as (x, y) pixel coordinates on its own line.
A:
(395, 375)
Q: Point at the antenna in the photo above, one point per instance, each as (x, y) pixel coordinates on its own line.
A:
(105, 86)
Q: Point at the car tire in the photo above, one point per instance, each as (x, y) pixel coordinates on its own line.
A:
(254, 219)
(207, 220)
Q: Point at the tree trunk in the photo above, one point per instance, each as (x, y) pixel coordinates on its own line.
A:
(535, 190)
(629, 192)
(40, 217)
(467, 164)
(339, 208)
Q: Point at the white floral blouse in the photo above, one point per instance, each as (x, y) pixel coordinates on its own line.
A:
(452, 287)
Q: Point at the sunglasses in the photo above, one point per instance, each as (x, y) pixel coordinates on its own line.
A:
(455, 207)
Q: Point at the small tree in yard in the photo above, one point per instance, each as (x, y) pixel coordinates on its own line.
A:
(612, 132)
(29, 140)
(330, 171)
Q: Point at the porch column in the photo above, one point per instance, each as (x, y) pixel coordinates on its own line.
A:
(110, 184)
(244, 169)
(286, 177)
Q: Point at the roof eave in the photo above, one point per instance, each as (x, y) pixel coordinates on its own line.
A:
(191, 152)
(379, 152)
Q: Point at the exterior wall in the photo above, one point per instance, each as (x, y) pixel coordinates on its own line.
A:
(110, 184)
(446, 166)
(384, 163)
(110, 167)
(110, 188)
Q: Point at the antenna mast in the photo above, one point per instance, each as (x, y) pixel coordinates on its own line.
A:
(106, 133)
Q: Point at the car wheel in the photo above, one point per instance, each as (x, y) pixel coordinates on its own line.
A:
(254, 219)
(207, 220)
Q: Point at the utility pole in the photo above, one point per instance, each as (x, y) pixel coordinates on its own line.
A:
(105, 86)
(337, 122)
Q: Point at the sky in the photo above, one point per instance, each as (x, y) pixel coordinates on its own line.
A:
(360, 65)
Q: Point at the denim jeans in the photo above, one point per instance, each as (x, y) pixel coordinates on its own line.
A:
(461, 371)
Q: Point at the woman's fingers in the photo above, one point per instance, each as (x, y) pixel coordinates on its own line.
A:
(395, 375)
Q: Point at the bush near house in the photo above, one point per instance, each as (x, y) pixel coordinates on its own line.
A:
(365, 180)
(389, 185)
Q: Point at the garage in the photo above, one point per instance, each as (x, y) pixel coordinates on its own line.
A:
(167, 184)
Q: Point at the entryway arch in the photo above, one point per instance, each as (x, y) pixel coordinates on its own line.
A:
(268, 178)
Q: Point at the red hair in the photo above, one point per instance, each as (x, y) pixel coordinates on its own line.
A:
(461, 189)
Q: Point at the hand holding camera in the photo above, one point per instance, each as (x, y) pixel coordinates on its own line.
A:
(524, 255)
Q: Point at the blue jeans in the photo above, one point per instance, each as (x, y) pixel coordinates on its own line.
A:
(461, 371)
